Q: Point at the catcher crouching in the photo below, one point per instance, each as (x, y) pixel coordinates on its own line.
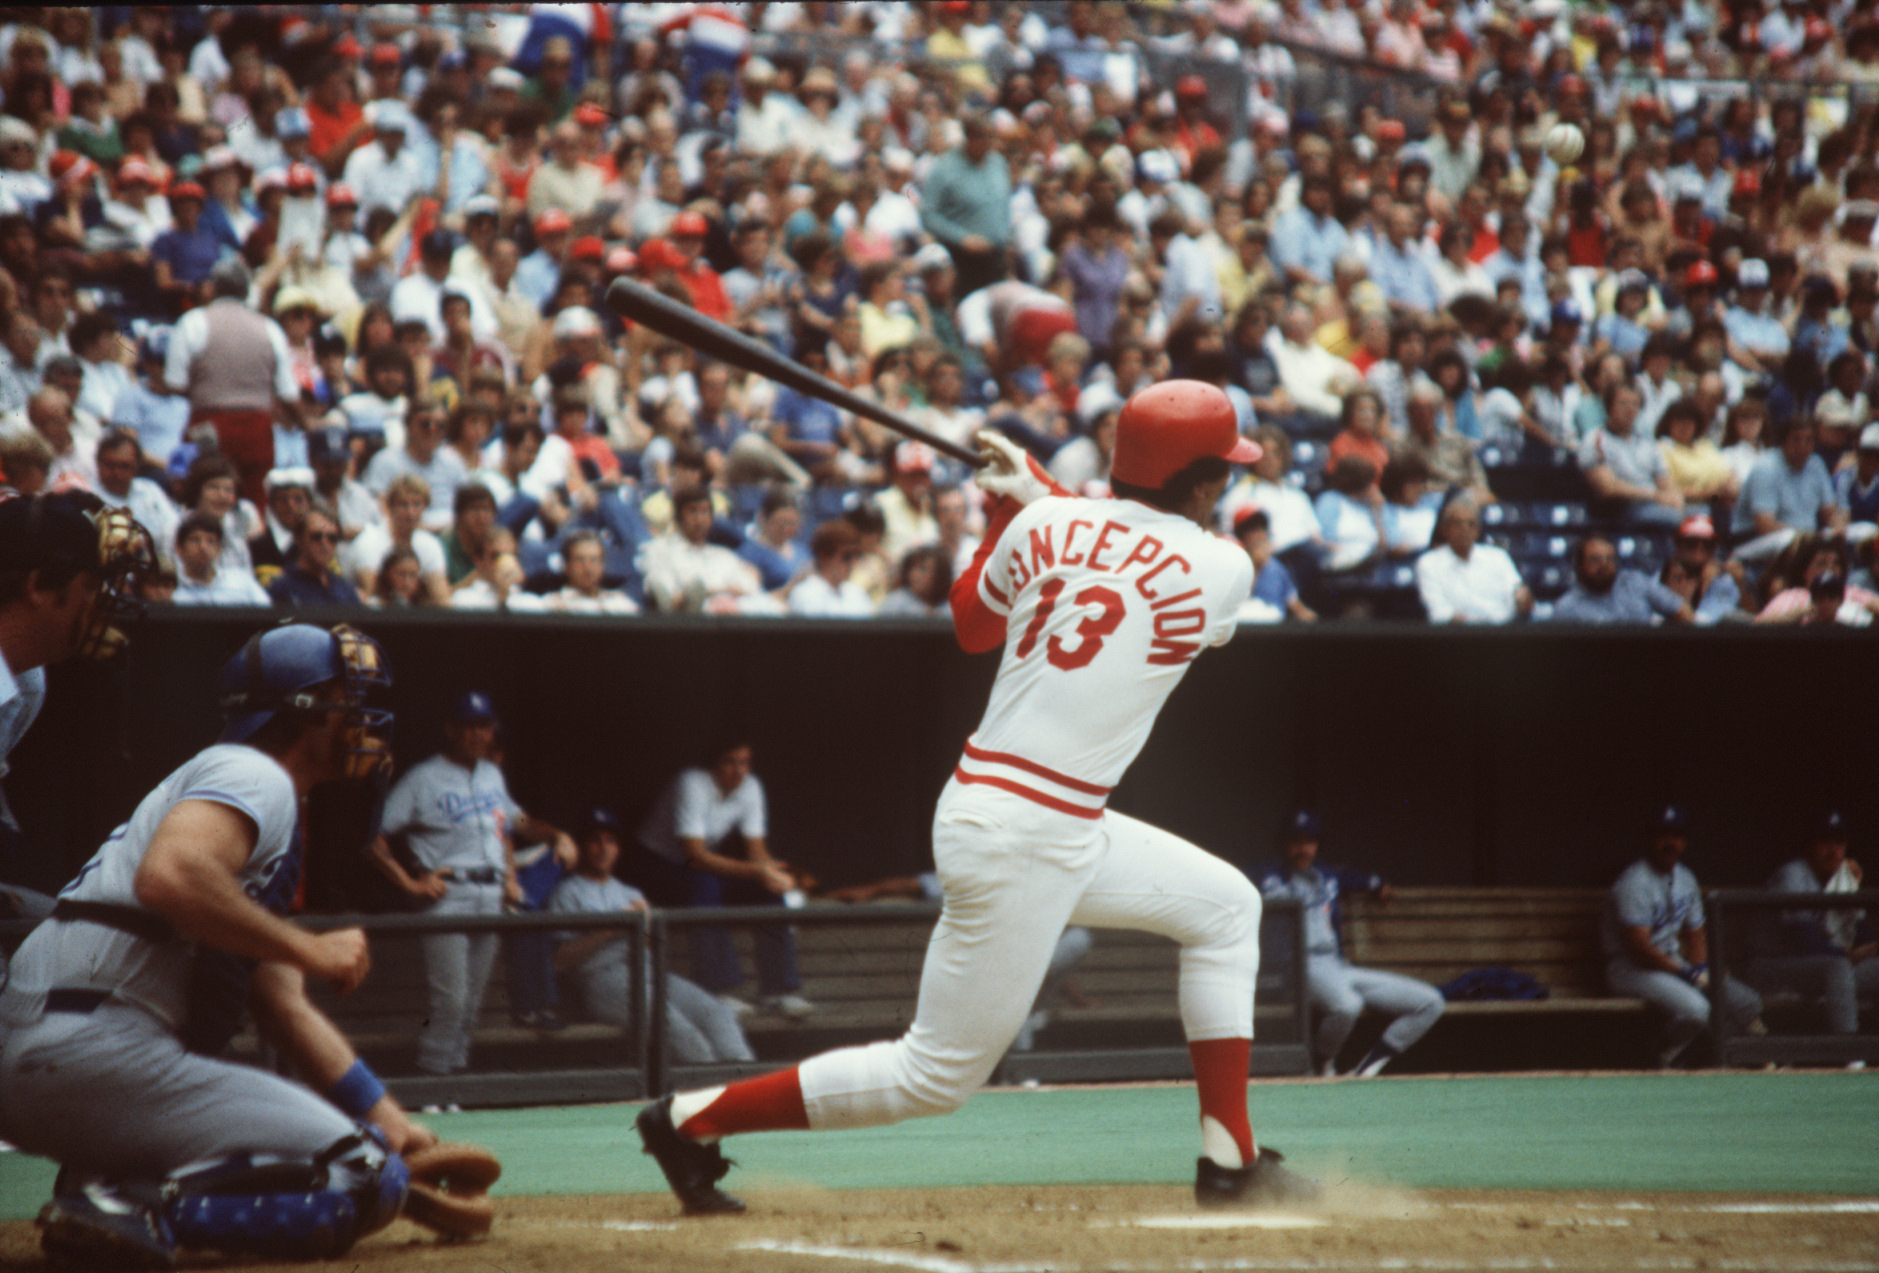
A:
(119, 1005)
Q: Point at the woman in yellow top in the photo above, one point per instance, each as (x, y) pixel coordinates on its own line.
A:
(888, 319)
(1698, 468)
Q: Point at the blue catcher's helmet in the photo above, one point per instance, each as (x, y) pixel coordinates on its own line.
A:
(282, 669)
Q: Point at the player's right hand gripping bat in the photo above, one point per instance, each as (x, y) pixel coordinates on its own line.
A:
(666, 316)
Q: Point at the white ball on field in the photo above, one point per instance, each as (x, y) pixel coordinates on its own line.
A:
(1564, 143)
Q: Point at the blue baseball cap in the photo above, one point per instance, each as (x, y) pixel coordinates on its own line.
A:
(1831, 826)
(1670, 818)
(472, 706)
(1566, 310)
(292, 122)
(1302, 825)
(327, 442)
(598, 819)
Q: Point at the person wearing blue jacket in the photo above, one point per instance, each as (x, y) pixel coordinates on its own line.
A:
(1337, 991)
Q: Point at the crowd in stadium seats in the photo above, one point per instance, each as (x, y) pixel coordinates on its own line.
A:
(316, 292)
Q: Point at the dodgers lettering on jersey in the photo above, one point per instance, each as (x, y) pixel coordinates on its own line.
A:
(64, 954)
(455, 817)
(1106, 602)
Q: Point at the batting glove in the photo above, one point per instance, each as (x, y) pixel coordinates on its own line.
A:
(1007, 469)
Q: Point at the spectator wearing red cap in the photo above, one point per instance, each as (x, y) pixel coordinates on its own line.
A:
(182, 256)
(1192, 131)
(907, 505)
(687, 237)
(539, 271)
(75, 206)
(138, 211)
(566, 181)
(1712, 590)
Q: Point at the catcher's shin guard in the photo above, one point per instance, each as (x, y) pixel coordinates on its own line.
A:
(288, 1208)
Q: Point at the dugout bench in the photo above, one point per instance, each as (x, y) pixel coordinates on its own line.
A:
(1551, 934)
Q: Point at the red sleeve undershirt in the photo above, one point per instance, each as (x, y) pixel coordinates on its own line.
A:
(978, 627)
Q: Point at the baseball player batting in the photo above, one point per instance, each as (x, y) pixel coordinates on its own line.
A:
(1100, 606)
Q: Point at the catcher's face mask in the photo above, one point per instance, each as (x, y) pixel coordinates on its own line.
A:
(368, 726)
(125, 551)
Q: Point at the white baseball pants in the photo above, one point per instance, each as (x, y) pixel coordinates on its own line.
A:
(1014, 875)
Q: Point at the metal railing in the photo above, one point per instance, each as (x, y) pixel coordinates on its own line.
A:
(1737, 949)
(383, 1020)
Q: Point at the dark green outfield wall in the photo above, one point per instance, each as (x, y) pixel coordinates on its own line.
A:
(1518, 757)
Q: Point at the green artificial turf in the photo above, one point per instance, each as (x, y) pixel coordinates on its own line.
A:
(1775, 1133)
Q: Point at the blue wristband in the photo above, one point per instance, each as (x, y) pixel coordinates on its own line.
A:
(357, 1091)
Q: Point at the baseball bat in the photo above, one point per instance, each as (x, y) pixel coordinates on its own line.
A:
(666, 316)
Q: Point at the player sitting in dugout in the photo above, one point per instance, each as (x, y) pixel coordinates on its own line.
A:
(1338, 991)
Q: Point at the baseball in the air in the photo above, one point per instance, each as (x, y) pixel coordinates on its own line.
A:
(1564, 143)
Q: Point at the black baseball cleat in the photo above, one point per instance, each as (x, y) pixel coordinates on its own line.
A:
(1266, 1183)
(693, 1170)
(94, 1227)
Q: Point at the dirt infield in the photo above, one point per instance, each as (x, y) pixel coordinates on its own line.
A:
(1073, 1229)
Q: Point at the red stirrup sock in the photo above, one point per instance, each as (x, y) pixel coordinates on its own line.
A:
(1220, 1068)
(772, 1103)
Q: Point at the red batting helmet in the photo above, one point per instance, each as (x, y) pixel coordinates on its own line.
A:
(1167, 426)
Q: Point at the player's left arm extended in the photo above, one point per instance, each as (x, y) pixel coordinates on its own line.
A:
(319, 1053)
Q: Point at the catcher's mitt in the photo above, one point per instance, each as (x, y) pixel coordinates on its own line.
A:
(450, 1188)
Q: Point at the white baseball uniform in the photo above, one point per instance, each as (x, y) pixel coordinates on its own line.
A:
(1102, 604)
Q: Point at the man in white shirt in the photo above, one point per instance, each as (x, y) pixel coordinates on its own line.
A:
(764, 119)
(405, 501)
(497, 583)
(706, 843)
(827, 592)
(386, 173)
(1314, 377)
(420, 294)
(584, 560)
(118, 459)
(422, 455)
(685, 573)
(200, 580)
(1466, 581)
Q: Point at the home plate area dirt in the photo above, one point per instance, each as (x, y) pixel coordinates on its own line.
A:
(1072, 1229)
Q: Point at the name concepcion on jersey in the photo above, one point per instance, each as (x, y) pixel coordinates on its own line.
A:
(1106, 603)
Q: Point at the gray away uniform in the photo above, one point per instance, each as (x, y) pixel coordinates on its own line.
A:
(1668, 906)
(461, 819)
(700, 1028)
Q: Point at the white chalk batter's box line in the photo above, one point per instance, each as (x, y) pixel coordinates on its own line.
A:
(889, 1257)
